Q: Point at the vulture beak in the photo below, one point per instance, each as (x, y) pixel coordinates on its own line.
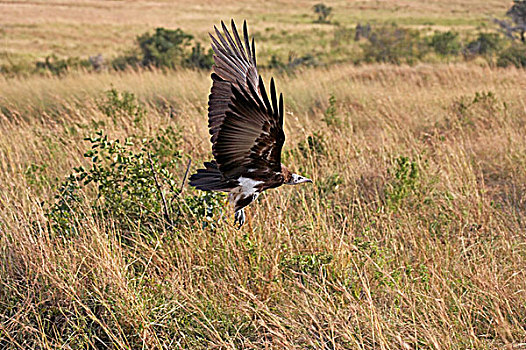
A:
(298, 179)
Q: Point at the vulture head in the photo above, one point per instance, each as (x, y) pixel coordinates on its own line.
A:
(291, 178)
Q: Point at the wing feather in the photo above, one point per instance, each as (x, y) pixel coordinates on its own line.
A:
(246, 126)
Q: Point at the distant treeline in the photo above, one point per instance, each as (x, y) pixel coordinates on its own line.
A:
(173, 49)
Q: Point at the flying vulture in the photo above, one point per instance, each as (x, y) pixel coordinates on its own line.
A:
(246, 126)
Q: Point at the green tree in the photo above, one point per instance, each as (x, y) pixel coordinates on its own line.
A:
(445, 43)
(517, 13)
(323, 11)
(164, 48)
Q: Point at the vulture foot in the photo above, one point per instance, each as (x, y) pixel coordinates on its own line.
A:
(239, 217)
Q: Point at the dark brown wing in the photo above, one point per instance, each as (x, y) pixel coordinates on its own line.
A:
(234, 63)
(246, 128)
(251, 136)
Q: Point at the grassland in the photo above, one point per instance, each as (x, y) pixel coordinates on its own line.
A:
(32, 30)
(411, 237)
(366, 258)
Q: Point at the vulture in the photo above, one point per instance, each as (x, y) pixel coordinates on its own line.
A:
(245, 124)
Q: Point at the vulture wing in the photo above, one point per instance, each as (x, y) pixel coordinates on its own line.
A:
(233, 64)
(246, 127)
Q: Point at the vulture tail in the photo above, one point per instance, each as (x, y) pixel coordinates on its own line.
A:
(210, 179)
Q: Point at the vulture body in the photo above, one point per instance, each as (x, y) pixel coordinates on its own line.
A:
(246, 126)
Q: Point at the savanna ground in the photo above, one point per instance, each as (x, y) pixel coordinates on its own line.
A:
(411, 237)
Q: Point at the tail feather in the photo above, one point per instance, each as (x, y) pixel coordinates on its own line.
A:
(210, 179)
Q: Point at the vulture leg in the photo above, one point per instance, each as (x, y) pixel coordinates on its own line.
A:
(239, 217)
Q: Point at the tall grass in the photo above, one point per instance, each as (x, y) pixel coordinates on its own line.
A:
(411, 237)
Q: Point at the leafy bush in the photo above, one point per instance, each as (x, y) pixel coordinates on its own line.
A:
(445, 43)
(331, 113)
(323, 11)
(484, 44)
(199, 59)
(164, 48)
(59, 66)
(517, 13)
(127, 182)
(117, 104)
(129, 60)
(393, 44)
(515, 55)
(405, 178)
(132, 181)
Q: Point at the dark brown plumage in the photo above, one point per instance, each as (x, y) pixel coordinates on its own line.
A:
(246, 127)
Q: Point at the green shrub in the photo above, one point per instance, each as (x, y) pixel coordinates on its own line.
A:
(445, 43)
(331, 117)
(392, 44)
(164, 48)
(199, 59)
(323, 11)
(117, 104)
(132, 182)
(515, 55)
(59, 66)
(485, 44)
(129, 60)
(404, 182)
(129, 184)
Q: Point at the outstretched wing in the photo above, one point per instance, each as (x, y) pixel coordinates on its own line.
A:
(251, 136)
(246, 127)
(234, 63)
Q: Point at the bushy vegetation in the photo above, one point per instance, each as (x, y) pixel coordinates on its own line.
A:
(514, 55)
(323, 12)
(486, 44)
(445, 43)
(164, 48)
(130, 181)
(393, 44)
(174, 49)
(59, 66)
(167, 48)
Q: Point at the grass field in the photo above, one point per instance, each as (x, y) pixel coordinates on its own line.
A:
(412, 235)
(32, 30)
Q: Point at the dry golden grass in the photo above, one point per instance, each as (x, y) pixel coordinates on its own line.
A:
(32, 30)
(358, 260)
